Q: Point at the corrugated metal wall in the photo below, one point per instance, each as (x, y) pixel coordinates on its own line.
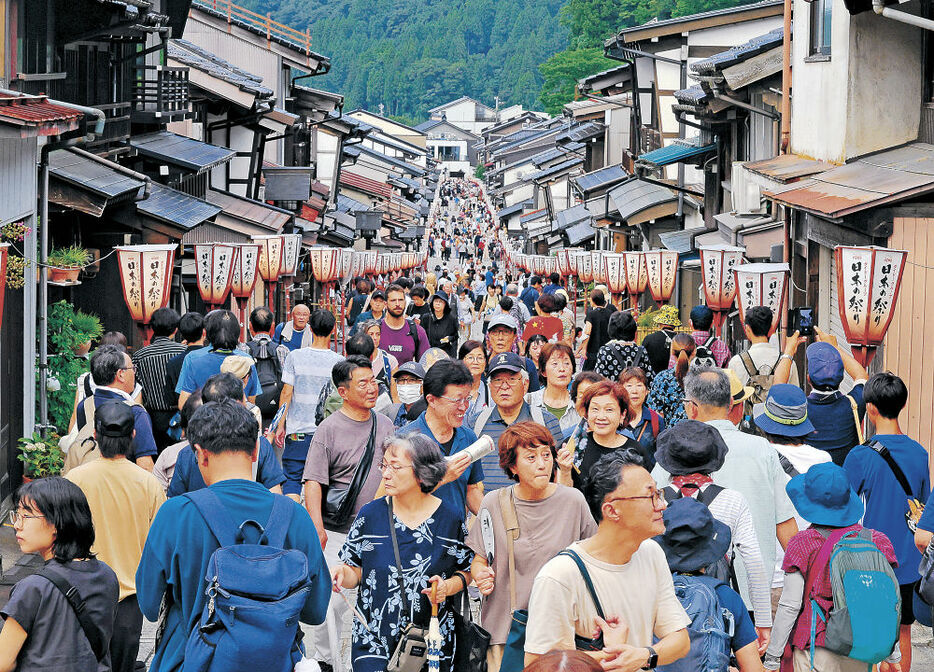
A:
(907, 339)
(17, 178)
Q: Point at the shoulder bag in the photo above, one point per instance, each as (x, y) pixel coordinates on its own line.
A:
(338, 504)
(411, 652)
(514, 650)
(471, 640)
(915, 507)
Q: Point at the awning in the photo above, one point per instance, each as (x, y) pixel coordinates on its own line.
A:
(291, 183)
(673, 153)
(513, 209)
(571, 216)
(365, 185)
(188, 154)
(580, 232)
(239, 220)
(309, 231)
(534, 216)
(581, 133)
(88, 183)
(556, 171)
(539, 229)
(212, 73)
(618, 77)
(34, 115)
(878, 179)
(174, 212)
(549, 155)
(786, 168)
(638, 201)
(315, 103)
(681, 242)
(600, 179)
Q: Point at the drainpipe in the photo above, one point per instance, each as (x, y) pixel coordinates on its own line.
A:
(786, 80)
(878, 6)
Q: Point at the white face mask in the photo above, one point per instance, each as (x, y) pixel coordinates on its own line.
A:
(409, 393)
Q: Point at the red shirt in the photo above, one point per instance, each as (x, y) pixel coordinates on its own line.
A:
(799, 556)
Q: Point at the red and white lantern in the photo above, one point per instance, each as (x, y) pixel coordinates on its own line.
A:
(324, 263)
(636, 276)
(270, 264)
(584, 267)
(868, 282)
(243, 279)
(661, 268)
(717, 264)
(346, 264)
(761, 285)
(615, 266)
(214, 264)
(291, 247)
(598, 266)
(564, 263)
(146, 278)
(372, 262)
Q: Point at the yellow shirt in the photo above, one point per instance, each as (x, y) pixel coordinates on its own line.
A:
(124, 499)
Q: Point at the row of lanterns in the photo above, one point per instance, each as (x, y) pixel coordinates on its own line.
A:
(868, 279)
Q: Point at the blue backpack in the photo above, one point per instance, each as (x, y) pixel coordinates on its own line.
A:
(711, 629)
(867, 604)
(255, 593)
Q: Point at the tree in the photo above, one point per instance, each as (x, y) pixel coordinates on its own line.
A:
(561, 73)
(480, 171)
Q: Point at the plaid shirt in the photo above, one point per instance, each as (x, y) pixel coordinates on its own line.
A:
(799, 556)
(719, 349)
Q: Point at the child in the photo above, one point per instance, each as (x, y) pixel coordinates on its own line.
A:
(42, 631)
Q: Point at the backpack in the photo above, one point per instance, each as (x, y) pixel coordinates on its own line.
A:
(256, 593)
(413, 332)
(711, 629)
(320, 406)
(703, 355)
(759, 379)
(867, 605)
(83, 448)
(269, 370)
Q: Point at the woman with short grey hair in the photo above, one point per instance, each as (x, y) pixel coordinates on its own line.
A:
(429, 537)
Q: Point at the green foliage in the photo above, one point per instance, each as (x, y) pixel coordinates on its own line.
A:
(561, 72)
(480, 171)
(69, 257)
(40, 457)
(68, 330)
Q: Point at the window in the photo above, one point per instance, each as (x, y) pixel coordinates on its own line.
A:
(821, 26)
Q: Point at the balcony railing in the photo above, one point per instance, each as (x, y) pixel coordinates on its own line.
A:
(161, 93)
(264, 24)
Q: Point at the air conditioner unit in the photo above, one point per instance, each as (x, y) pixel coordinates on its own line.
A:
(747, 195)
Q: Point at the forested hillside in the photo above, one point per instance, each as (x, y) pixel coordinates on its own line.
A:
(411, 55)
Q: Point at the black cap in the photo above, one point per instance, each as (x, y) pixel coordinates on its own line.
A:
(690, 447)
(114, 418)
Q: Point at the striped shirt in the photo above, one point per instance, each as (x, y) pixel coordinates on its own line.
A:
(150, 362)
(307, 370)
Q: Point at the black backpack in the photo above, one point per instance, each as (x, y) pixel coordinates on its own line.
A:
(703, 355)
(269, 370)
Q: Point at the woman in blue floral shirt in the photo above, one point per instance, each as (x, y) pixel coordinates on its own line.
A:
(667, 393)
(430, 535)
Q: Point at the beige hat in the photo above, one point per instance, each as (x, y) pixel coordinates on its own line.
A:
(238, 365)
(738, 391)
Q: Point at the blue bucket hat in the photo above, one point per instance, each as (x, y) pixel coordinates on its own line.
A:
(823, 496)
(825, 366)
(693, 538)
(785, 412)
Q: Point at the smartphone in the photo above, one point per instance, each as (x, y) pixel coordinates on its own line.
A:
(801, 320)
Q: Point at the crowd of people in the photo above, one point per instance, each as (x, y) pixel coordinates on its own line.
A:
(648, 503)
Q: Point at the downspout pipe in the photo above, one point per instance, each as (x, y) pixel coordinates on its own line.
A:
(785, 126)
(878, 6)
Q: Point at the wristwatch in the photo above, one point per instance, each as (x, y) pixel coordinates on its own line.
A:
(652, 662)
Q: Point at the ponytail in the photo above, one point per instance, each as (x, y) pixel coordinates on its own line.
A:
(681, 367)
(682, 348)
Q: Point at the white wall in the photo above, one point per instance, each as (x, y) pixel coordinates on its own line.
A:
(325, 158)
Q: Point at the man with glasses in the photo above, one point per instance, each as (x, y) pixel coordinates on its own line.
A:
(509, 383)
(339, 445)
(503, 331)
(630, 577)
(447, 390)
(115, 377)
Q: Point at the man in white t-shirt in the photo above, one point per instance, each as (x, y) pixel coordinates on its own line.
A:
(629, 572)
(305, 372)
(762, 355)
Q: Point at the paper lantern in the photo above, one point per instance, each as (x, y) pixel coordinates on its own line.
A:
(146, 278)
(551, 265)
(291, 247)
(717, 264)
(270, 257)
(564, 263)
(584, 267)
(599, 268)
(615, 269)
(761, 285)
(661, 268)
(346, 264)
(868, 282)
(636, 276)
(372, 262)
(572, 261)
(243, 276)
(214, 263)
(357, 263)
(324, 263)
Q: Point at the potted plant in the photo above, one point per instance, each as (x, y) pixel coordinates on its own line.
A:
(87, 328)
(66, 262)
(40, 457)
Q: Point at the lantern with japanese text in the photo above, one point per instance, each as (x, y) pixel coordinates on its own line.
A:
(146, 277)
(636, 276)
(761, 285)
(551, 265)
(214, 269)
(661, 269)
(868, 281)
(346, 264)
(291, 247)
(538, 264)
(324, 263)
(564, 263)
(615, 267)
(717, 264)
(270, 264)
(372, 262)
(584, 267)
(358, 263)
(599, 268)
(243, 279)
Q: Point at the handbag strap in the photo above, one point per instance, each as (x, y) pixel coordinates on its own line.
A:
(360, 473)
(507, 506)
(587, 582)
(395, 551)
(74, 599)
(893, 465)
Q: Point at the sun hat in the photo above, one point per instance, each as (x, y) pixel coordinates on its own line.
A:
(825, 366)
(693, 538)
(823, 496)
(238, 365)
(738, 391)
(784, 412)
(690, 447)
(667, 315)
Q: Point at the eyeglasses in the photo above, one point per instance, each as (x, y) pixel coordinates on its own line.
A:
(394, 468)
(690, 401)
(369, 382)
(474, 359)
(655, 496)
(463, 401)
(131, 367)
(16, 517)
(503, 381)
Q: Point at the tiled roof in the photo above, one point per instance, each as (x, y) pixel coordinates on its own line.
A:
(600, 178)
(181, 151)
(36, 110)
(365, 184)
(194, 56)
(740, 53)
